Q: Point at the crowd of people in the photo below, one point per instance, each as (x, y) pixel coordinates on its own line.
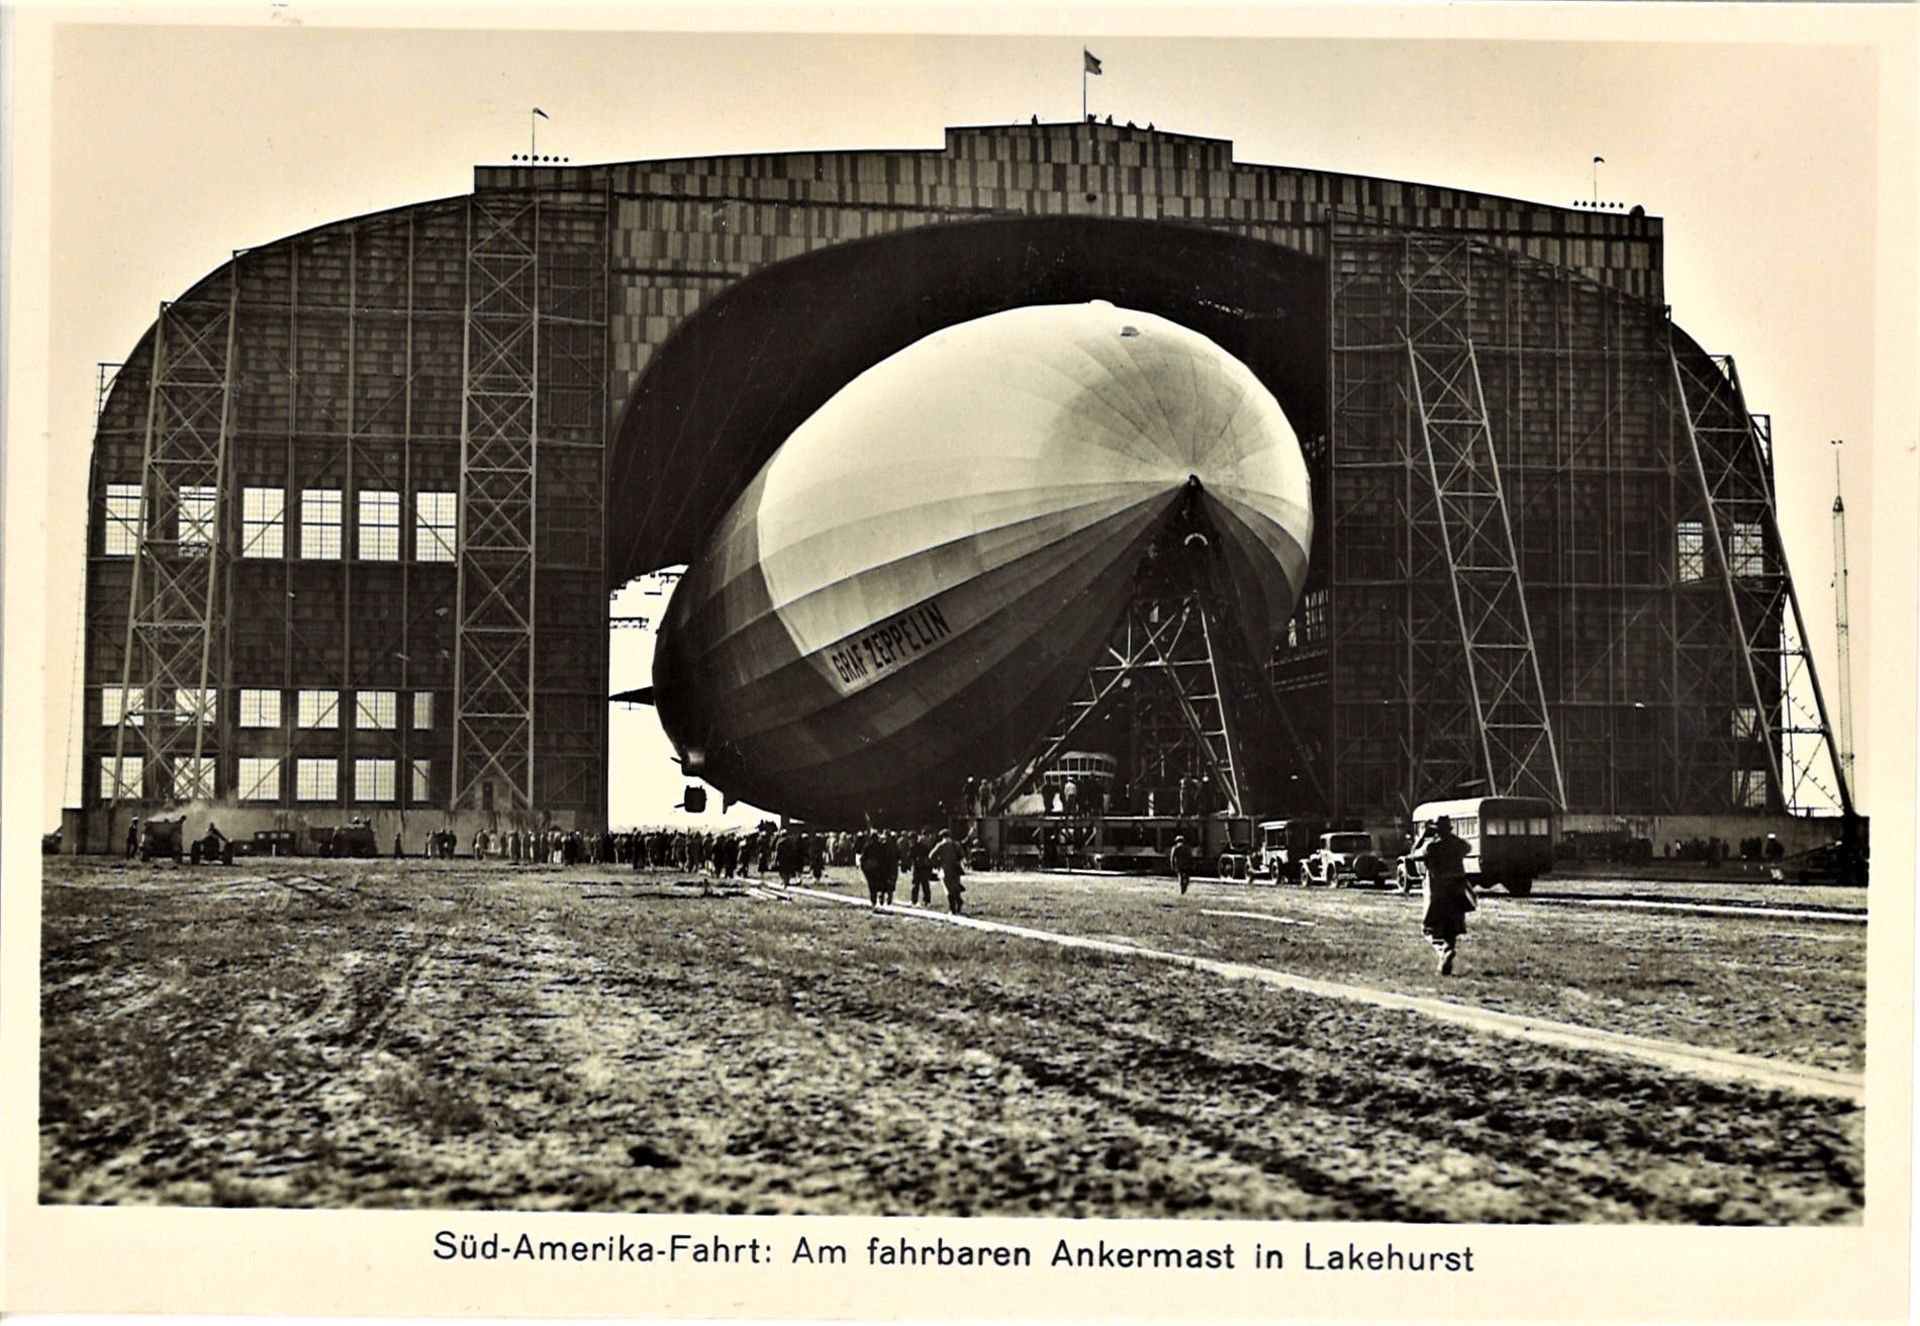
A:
(764, 851)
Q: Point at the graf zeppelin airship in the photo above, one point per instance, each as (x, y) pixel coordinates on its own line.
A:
(911, 589)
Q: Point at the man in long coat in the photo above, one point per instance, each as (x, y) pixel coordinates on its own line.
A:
(1444, 887)
(948, 858)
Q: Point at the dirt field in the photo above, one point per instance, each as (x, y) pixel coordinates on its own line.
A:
(326, 1034)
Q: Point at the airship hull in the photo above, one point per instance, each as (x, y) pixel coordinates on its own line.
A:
(912, 588)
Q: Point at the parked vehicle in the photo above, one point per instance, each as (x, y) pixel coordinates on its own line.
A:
(1509, 840)
(1345, 858)
(163, 836)
(1283, 847)
(268, 842)
(354, 838)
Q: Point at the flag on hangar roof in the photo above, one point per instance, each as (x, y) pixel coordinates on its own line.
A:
(1093, 61)
(542, 114)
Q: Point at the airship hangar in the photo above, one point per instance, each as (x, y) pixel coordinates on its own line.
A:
(360, 496)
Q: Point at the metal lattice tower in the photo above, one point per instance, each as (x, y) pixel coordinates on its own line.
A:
(1786, 741)
(493, 756)
(1509, 703)
(1168, 686)
(175, 649)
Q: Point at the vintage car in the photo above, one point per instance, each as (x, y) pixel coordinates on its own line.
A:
(1343, 859)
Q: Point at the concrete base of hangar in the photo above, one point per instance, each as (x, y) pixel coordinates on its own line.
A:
(1796, 833)
(101, 831)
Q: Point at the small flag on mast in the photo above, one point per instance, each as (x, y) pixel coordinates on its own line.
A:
(1093, 62)
(542, 114)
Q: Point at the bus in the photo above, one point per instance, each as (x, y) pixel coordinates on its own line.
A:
(1509, 840)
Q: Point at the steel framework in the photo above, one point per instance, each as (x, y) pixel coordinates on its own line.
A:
(175, 637)
(1729, 457)
(494, 641)
(1507, 697)
(1540, 520)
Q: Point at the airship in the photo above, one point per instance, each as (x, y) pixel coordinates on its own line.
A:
(912, 587)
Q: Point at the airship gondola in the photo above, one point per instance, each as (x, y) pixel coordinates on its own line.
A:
(910, 590)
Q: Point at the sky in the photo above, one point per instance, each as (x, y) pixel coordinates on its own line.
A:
(168, 146)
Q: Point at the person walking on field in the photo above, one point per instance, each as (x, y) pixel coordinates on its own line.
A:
(947, 858)
(922, 859)
(1444, 887)
(1181, 859)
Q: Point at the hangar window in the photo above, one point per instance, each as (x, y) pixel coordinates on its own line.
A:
(197, 506)
(423, 711)
(127, 783)
(1749, 789)
(423, 780)
(376, 710)
(1748, 554)
(320, 524)
(124, 519)
(263, 521)
(373, 780)
(1690, 551)
(259, 778)
(195, 704)
(380, 527)
(119, 701)
(436, 526)
(316, 780)
(320, 709)
(259, 708)
(193, 778)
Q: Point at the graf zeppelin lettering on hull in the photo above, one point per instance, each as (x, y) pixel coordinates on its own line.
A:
(862, 661)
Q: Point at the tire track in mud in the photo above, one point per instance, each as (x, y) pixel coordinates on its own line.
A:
(1698, 1061)
(1605, 1159)
(1078, 1070)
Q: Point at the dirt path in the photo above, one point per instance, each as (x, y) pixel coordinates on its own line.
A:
(1697, 1061)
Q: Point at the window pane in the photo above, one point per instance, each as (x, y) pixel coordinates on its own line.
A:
(377, 710)
(436, 526)
(127, 785)
(373, 780)
(422, 711)
(193, 779)
(259, 708)
(317, 780)
(319, 709)
(197, 506)
(263, 518)
(320, 524)
(423, 780)
(124, 519)
(1690, 540)
(259, 779)
(380, 527)
(192, 705)
(116, 703)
